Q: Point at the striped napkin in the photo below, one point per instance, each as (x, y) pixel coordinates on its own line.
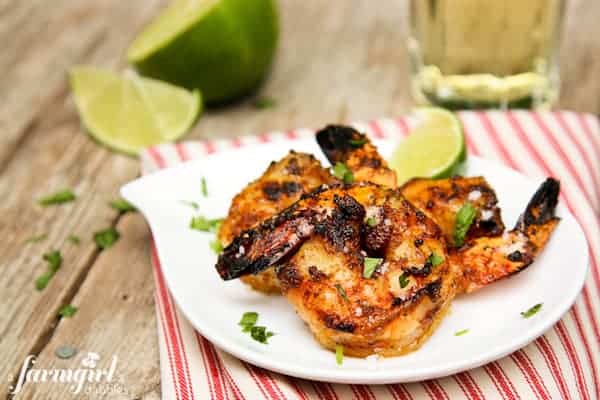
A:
(562, 364)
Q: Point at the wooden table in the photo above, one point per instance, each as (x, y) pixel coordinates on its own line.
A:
(338, 60)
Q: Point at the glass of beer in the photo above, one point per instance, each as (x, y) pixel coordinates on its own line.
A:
(468, 54)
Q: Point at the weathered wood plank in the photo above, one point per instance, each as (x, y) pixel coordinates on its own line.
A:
(55, 154)
(337, 61)
(42, 40)
(115, 318)
(580, 57)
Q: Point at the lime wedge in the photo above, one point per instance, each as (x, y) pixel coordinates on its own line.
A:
(222, 47)
(434, 149)
(128, 113)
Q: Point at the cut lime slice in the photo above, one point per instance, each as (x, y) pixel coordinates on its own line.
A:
(222, 47)
(434, 149)
(128, 113)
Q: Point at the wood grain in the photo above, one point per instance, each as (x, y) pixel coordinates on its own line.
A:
(337, 61)
(115, 318)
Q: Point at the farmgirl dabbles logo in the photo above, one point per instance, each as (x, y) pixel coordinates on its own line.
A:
(77, 378)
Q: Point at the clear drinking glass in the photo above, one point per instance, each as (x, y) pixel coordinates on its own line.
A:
(485, 53)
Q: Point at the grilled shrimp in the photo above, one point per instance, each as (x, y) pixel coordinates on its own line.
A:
(486, 259)
(346, 145)
(321, 245)
(439, 199)
(279, 186)
(318, 250)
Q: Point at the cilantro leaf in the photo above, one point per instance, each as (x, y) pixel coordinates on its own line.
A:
(532, 311)
(342, 172)
(42, 281)
(106, 237)
(357, 142)
(339, 354)
(67, 311)
(204, 224)
(204, 187)
(74, 239)
(464, 219)
(192, 204)
(36, 238)
(371, 222)
(60, 197)
(369, 266)
(54, 260)
(122, 206)
(249, 318)
(341, 291)
(403, 280)
(216, 246)
(434, 259)
(260, 334)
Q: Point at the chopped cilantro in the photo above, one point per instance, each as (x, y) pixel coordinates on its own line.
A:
(204, 187)
(532, 311)
(339, 354)
(357, 142)
(106, 238)
(249, 318)
(74, 239)
(42, 281)
(341, 171)
(460, 333)
(464, 218)
(122, 206)
(371, 222)
(369, 266)
(403, 280)
(60, 197)
(260, 334)
(216, 246)
(67, 311)
(248, 324)
(192, 204)
(341, 291)
(54, 260)
(435, 259)
(37, 238)
(204, 224)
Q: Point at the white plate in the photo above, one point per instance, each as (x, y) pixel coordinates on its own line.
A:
(214, 307)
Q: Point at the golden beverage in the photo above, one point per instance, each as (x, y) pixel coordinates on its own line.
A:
(485, 53)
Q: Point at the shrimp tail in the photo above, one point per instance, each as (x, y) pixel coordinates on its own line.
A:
(541, 207)
(488, 259)
(339, 141)
(331, 213)
(262, 246)
(344, 144)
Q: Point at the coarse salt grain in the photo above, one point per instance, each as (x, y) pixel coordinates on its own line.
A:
(474, 195)
(487, 214)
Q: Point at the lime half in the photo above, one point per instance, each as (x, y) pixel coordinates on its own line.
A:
(222, 47)
(434, 149)
(128, 113)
